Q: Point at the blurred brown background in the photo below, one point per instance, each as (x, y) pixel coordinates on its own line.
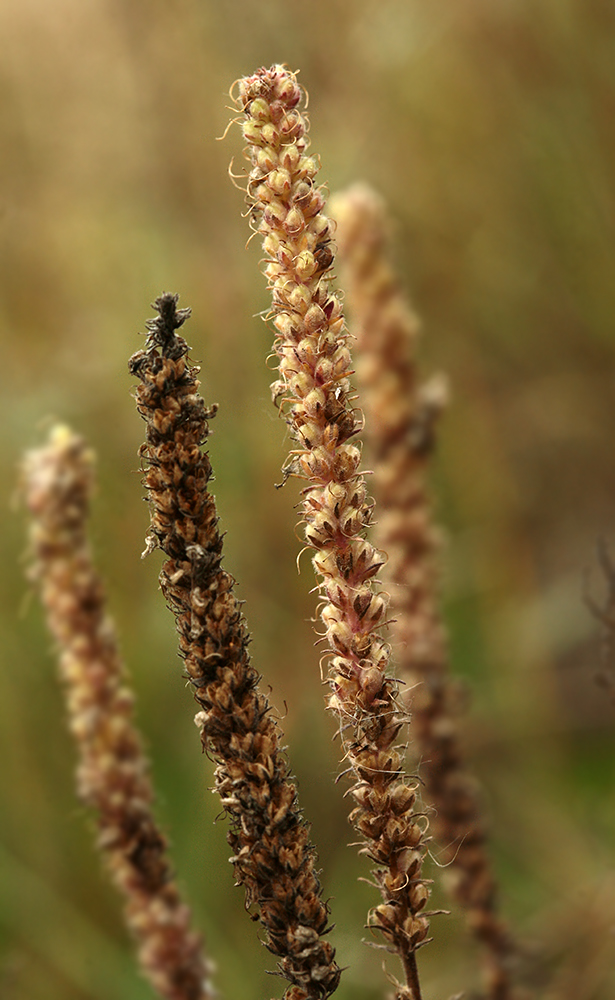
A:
(488, 126)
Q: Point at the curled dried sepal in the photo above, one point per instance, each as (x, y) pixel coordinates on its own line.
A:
(272, 854)
(113, 772)
(400, 416)
(316, 395)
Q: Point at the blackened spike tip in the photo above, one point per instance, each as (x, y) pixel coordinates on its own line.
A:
(161, 329)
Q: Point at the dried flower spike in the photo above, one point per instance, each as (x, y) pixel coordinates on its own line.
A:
(400, 418)
(272, 854)
(315, 393)
(112, 774)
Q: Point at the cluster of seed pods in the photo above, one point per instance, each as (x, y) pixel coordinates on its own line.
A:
(272, 854)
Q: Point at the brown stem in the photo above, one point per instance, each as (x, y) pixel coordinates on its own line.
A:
(412, 975)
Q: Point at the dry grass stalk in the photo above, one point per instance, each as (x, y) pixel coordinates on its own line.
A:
(605, 614)
(315, 393)
(273, 857)
(113, 772)
(400, 414)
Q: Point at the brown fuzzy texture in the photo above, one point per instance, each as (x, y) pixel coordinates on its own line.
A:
(316, 396)
(113, 772)
(273, 857)
(400, 415)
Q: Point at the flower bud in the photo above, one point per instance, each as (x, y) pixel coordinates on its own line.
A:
(266, 159)
(299, 298)
(294, 222)
(315, 320)
(340, 636)
(305, 265)
(385, 915)
(258, 109)
(274, 213)
(308, 167)
(346, 461)
(271, 244)
(419, 894)
(314, 402)
(371, 684)
(416, 929)
(290, 125)
(279, 181)
(289, 90)
(402, 799)
(352, 523)
(324, 563)
(300, 383)
(252, 133)
(289, 158)
(269, 134)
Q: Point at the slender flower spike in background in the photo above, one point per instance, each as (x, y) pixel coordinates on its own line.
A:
(113, 772)
(400, 415)
(315, 394)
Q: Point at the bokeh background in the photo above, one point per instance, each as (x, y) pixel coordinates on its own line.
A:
(488, 126)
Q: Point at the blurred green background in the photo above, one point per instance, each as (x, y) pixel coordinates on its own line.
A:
(488, 126)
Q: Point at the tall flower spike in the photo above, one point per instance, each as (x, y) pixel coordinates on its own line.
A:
(272, 854)
(315, 392)
(112, 774)
(400, 418)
